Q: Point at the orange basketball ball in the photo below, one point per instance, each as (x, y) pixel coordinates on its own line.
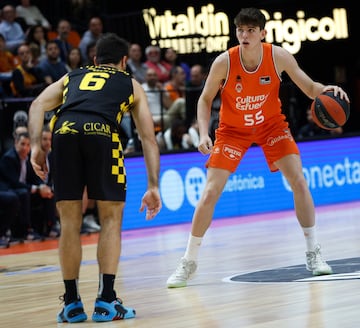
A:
(330, 112)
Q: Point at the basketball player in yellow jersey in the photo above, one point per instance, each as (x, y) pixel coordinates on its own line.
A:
(249, 77)
(87, 152)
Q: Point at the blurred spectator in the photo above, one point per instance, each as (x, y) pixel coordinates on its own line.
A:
(174, 96)
(31, 14)
(27, 79)
(154, 93)
(175, 87)
(49, 225)
(37, 39)
(193, 90)
(17, 172)
(176, 137)
(20, 122)
(91, 35)
(135, 64)
(154, 60)
(74, 59)
(9, 200)
(20, 119)
(171, 56)
(192, 138)
(9, 205)
(90, 54)
(62, 38)
(35, 53)
(310, 129)
(8, 62)
(10, 29)
(52, 67)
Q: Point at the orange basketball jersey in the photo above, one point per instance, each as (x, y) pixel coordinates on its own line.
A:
(250, 99)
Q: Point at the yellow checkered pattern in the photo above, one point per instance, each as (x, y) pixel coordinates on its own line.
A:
(118, 169)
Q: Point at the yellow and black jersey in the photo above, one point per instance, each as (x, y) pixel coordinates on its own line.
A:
(102, 90)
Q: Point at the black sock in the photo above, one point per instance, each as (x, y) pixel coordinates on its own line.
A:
(106, 287)
(71, 291)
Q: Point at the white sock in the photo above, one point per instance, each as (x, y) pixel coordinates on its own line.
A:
(192, 248)
(310, 238)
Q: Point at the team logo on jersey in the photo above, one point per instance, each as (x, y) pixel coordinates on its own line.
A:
(238, 85)
(232, 152)
(265, 80)
(66, 128)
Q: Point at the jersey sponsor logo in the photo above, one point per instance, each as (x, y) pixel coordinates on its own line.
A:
(232, 152)
(97, 128)
(250, 102)
(66, 128)
(216, 150)
(271, 141)
(265, 80)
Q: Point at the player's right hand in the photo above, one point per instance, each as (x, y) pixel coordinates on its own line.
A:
(205, 145)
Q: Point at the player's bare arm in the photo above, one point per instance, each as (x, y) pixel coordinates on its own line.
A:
(49, 99)
(287, 62)
(217, 74)
(145, 127)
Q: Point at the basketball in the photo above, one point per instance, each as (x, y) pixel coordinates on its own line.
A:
(330, 112)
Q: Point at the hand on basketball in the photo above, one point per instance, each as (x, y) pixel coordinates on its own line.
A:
(330, 110)
(337, 91)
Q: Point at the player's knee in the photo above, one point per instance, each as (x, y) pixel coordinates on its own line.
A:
(210, 196)
(299, 184)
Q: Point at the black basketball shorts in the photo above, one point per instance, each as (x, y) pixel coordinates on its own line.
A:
(87, 151)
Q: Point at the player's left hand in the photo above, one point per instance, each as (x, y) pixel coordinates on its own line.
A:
(38, 162)
(152, 202)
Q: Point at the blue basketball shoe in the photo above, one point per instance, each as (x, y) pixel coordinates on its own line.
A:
(105, 311)
(73, 312)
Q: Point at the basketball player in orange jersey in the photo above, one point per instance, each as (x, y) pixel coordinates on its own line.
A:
(249, 79)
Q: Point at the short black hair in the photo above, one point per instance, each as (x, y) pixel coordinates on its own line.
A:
(250, 16)
(110, 49)
(18, 136)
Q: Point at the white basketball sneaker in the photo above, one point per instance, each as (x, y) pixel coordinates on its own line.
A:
(90, 224)
(316, 264)
(184, 272)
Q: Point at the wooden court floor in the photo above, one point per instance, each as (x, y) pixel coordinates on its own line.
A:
(251, 274)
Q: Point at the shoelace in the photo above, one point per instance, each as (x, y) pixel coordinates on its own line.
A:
(181, 269)
(119, 300)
